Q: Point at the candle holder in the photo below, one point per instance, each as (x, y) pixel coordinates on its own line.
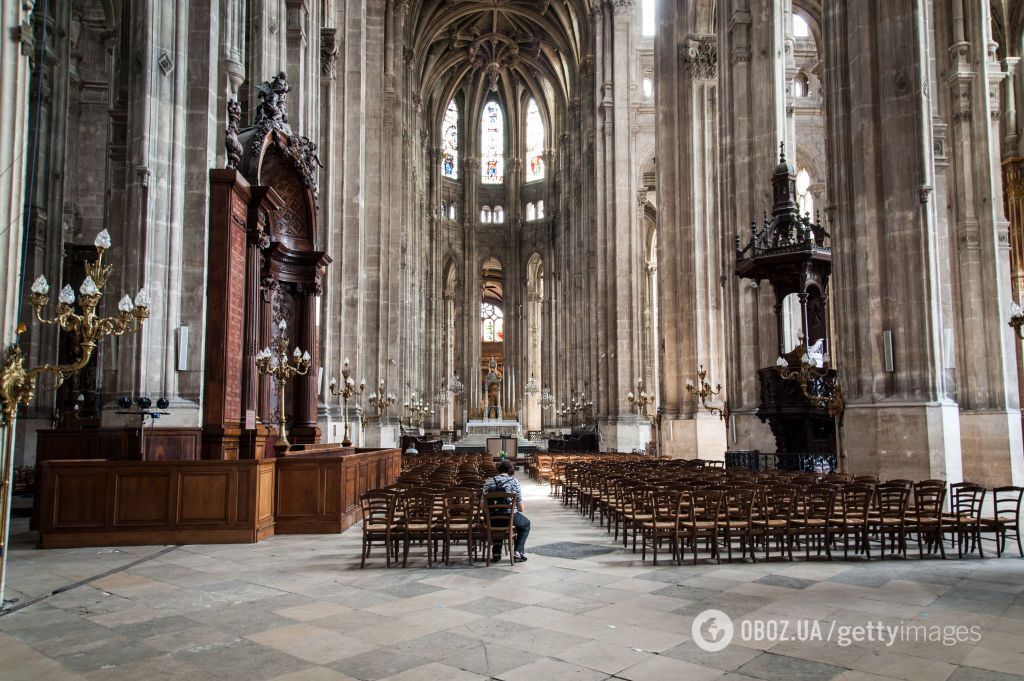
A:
(382, 399)
(277, 364)
(638, 401)
(347, 391)
(821, 392)
(704, 393)
(18, 383)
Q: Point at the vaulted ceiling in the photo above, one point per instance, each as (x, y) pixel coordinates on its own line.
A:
(497, 45)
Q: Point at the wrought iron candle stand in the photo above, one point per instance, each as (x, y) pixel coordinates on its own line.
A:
(277, 364)
(18, 383)
(144, 414)
(704, 393)
(1017, 319)
(347, 392)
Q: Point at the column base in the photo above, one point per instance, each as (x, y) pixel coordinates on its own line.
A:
(701, 437)
(624, 434)
(914, 441)
(384, 434)
(993, 451)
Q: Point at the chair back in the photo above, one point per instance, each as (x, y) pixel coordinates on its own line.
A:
(498, 508)
(967, 499)
(378, 507)
(892, 498)
(418, 507)
(779, 502)
(1007, 501)
(819, 502)
(704, 505)
(929, 498)
(857, 499)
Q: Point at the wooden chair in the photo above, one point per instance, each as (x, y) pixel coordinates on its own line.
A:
(666, 505)
(854, 517)
(890, 519)
(703, 507)
(965, 520)
(461, 510)
(774, 521)
(638, 509)
(737, 521)
(925, 516)
(378, 507)
(419, 522)
(498, 508)
(1005, 518)
(814, 522)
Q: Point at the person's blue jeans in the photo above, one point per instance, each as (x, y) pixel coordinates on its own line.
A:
(522, 525)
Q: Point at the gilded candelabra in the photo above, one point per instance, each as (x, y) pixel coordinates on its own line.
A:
(347, 392)
(18, 383)
(1017, 319)
(639, 400)
(417, 410)
(705, 392)
(277, 364)
(382, 399)
(812, 378)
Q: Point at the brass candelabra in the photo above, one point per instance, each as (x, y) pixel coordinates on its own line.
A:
(277, 364)
(704, 393)
(639, 400)
(417, 410)
(347, 392)
(382, 399)
(18, 383)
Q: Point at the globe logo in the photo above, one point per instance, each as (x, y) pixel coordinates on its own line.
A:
(712, 630)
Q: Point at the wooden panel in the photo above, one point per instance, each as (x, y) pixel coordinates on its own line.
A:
(142, 498)
(78, 500)
(205, 496)
(265, 505)
(299, 488)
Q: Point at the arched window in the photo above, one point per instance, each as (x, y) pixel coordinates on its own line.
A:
(648, 88)
(534, 143)
(492, 145)
(492, 323)
(800, 86)
(800, 27)
(804, 200)
(499, 215)
(647, 19)
(540, 210)
(485, 214)
(450, 142)
(444, 210)
(531, 212)
(451, 210)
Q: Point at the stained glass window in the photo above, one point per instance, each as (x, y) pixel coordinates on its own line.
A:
(492, 145)
(804, 199)
(493, 323)
(450, 142)
(540, 210)
(451, 210)
(531, 212)
(534, 143)
(499, 215)
(647, 18)
(800, 27)
(485, 214)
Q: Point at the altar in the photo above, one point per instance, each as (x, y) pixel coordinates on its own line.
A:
(495, 427)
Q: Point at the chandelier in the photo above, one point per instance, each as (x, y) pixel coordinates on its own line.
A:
(441, 396)
(532, 386)
(455, 386)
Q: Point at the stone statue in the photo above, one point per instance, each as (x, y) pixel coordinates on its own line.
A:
(231, 144)
(492, 390)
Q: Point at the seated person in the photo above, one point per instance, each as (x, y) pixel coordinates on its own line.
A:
(504, 482)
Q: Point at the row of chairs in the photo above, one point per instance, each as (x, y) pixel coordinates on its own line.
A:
(686, 505)
(438, 505)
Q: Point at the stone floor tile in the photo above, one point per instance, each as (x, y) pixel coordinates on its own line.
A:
(308, 642)
(603, 657)
(546, 668)
(661, 668)
(435, 671)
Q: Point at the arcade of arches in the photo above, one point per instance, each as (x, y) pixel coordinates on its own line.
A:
(551, 193)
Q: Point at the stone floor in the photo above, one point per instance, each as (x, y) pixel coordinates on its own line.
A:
(299, 608)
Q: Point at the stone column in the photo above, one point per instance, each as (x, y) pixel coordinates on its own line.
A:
(752, 122)
(17, 47)
(888, 241)
(986, 389)
(690, 252)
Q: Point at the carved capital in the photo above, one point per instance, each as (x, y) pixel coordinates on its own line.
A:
(698, 58)
(622, 8)
(330, 47)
